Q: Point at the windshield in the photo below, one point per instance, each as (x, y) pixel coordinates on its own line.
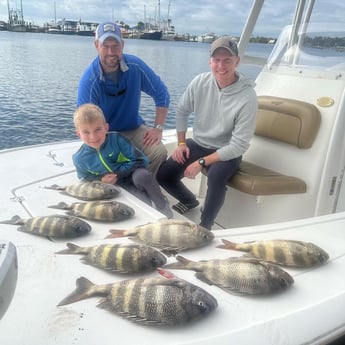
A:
(317, 46)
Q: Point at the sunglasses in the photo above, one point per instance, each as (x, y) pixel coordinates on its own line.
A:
(117, 94)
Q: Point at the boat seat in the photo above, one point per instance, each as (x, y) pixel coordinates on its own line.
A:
(285, 120)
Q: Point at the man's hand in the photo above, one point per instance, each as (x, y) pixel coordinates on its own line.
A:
(192, 170)
(152, 136)
(181, 154)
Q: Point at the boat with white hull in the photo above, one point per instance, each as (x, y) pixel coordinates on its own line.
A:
(290, 186)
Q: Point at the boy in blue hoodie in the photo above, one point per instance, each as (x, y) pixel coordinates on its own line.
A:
(112, 158)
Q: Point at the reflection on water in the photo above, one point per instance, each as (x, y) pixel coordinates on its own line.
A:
(39, 75)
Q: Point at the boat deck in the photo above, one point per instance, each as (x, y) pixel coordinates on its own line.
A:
(316, 300)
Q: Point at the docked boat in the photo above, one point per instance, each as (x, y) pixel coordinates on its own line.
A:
(16, 20)
(151, 34)
(207, 38)
(86, 29)
(289, 186)
(3, 26)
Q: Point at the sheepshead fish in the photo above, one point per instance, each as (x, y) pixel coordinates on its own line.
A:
(89, 191)
(106, 211)
(119, 258)
(170, 236)
(153, 301)
(242, 276)
(60, 226)
(282, 252)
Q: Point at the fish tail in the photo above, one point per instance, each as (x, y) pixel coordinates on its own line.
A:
(61, 206)
(227, 245)
(181, 263)
(114, 233)
(15, 220)
(72, 249)
(84, 289)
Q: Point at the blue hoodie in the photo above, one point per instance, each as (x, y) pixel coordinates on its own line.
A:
(120, 102)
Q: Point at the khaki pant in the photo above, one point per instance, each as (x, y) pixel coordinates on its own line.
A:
(156, 154)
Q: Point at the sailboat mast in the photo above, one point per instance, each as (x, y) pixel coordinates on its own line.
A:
(159, 15)
(21, 12)
(8, 9)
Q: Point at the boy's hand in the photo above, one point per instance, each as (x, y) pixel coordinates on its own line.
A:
(109, 178)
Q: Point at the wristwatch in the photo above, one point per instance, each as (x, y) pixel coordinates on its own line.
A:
(160, 127)
(202, 162)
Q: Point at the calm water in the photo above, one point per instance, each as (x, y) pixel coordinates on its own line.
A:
(39, 75)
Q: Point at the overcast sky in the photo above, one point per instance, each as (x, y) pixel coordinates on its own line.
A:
(188, 16)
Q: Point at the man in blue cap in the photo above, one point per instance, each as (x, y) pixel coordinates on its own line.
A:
(114, 81)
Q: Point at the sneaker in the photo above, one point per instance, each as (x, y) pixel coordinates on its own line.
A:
(166, 210)
(182, 208)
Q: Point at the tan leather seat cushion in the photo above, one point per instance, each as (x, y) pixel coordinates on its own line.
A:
(256, 180)
(287, 120)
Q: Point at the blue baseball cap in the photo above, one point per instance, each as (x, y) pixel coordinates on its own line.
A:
(108, 29)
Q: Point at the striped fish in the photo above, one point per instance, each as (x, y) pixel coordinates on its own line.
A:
(282, 252)
(151, 301)
(89, 191)
(242, 276)
(60, 226)
(106, 211)
(169, 235)
(120, 258)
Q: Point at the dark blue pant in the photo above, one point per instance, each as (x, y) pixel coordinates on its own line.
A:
(170, 174)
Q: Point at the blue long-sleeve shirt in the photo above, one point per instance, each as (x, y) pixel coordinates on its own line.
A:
(116, 155)
(120, 101)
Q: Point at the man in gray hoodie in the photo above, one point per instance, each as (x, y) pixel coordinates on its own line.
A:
(224, 105)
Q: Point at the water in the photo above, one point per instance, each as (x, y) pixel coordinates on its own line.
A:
(39, 75)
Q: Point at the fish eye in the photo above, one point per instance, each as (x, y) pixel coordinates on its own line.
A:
(78, 228)
(202, 305)
(154, 259)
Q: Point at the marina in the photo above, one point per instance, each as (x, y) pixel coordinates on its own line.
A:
(290, 186)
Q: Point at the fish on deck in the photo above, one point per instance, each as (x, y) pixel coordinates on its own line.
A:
(242, 276)
(59, 226)
(169, 235)
(141, 300)
(282, 252)
(88, 191)
(105, 211)
(119, 258)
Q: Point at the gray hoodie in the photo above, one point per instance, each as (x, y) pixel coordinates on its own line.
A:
(224, 119)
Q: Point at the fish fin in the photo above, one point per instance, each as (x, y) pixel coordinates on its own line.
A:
(114, 233)
(227, 245)
(104, 303)
(116, 308)
(72, 249)
(166, 274)
(168, 251)
(181, 263)
(202, 277)
(83, 290)
(55, 187)
(15, 220)
(61, 206)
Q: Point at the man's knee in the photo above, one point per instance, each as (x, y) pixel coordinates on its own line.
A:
(156, 156)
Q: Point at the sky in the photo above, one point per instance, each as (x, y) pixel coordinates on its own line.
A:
(188, 16)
